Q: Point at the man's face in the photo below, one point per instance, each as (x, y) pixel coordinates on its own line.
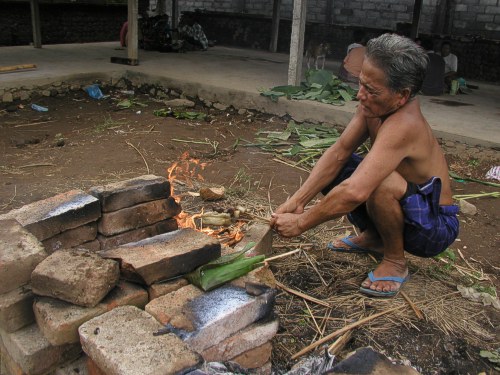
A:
(375, 97)
(445, 50)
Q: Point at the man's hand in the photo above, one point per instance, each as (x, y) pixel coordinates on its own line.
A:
(290, 207)
(286, 224)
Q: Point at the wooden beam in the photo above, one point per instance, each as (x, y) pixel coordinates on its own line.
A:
(297, 41)
(35, 24)
(17, 68)
(133, 35)
(273, 46)
(417, 8)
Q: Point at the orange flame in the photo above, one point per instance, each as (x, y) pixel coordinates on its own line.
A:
(185, 170)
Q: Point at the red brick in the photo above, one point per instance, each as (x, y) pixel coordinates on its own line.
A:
(54, 215)
(137, 216)
(71, 238)
(164, 256)
(118, 195)
(110, 242)
(160, 289)
(256, 357)
(16, 309)
(20, 253)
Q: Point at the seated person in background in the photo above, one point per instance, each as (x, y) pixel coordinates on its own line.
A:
(192, 32)
(434, 75)
(451, 63)
(351, 66)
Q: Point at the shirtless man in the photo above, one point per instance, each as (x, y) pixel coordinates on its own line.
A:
(399, 195)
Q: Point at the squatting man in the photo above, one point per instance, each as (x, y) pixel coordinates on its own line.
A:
(399, 194)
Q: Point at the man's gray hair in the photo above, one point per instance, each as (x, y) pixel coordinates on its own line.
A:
(403, 61)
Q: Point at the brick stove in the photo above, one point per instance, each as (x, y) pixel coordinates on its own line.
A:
(88, 269)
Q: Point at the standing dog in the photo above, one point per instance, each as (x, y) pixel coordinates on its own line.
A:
(316, 51)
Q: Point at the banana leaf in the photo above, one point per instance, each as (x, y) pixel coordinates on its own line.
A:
(457, 177)
(226, 268)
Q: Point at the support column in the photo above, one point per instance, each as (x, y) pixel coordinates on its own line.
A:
(35, 24)
(175, 19)
(297, 41)
(417, 8)
(132, 45)
(273, 46)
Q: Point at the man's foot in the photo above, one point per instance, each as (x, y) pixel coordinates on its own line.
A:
(387, 279)
(363, 243)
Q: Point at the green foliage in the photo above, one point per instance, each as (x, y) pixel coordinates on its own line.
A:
(129, 103)
(181, 115)
(492, 356)
(448, 254)
(320, 85)
(107, 124)
(490, 289)
(305, 141)
(226, 268)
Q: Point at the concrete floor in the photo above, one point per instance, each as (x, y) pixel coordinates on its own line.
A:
(234, 76)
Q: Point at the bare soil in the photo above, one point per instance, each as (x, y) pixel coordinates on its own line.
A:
(81, 142)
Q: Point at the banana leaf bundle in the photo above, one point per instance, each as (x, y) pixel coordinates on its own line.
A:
(226, 268)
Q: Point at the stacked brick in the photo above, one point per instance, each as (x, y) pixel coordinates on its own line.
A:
(54, 303)
(135, 209)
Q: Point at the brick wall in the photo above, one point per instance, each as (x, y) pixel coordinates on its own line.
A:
(61, 23)
(476, 17)
(247, 23)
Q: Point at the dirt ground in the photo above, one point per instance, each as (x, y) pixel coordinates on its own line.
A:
(81, 142)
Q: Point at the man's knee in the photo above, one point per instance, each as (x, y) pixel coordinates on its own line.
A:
(393, 187)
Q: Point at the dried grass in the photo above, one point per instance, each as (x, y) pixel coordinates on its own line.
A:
(334, 278)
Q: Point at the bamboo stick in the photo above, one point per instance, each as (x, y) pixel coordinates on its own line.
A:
(418, 312)
(302, 295)
(343, 330)
(339, 344)
(282, 255)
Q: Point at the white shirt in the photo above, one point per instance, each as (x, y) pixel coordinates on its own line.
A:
(451, 63)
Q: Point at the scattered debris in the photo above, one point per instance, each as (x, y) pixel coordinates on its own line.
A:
(129, 103)
(180, 114)
(467, 208)
(494, 173)
(485, 298)
(39, 108)
(95, 92)
(212, 193)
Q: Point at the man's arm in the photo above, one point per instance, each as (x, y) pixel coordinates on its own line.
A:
(328, 166)
(385, 156)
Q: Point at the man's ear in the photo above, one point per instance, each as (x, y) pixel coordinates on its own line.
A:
(404, 96)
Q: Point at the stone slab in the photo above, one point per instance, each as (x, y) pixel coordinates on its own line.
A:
(56, 214)
(120, 342)
(16, 309)
(256, 357)
(253, 336)
(118, 195)
(160, 289)
(20, 253)
(33, 354)
(134, 235)
(59, 320)
(71, 238)
(75, 276)
(137, 216)
(164, 256)
(202, 319)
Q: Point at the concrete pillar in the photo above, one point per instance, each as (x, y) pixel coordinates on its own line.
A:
(35, 24)
(132, 46)
(417, 7)
(297, 41)
(275, 26)
(175, 19)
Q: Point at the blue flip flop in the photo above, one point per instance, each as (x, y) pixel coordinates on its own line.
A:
(353, 248)
(376, 293)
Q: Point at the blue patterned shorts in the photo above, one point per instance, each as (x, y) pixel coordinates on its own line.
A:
(429, 228)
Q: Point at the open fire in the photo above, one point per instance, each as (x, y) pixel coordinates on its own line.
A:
(186, 172)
